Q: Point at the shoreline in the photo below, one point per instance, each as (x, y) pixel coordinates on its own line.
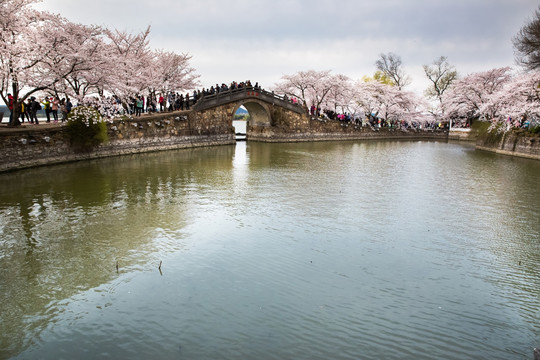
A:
(30, 145)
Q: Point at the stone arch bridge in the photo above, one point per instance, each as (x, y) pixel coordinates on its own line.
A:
(272, 117)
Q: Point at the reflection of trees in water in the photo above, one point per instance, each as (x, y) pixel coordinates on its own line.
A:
(92, 182)
(65, 227)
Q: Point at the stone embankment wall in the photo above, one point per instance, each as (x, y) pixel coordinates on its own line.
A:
(515, 143)
(39, 145)
(291, 127)
(462, 134)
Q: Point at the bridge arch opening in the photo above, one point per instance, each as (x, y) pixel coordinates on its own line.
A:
(258, 116)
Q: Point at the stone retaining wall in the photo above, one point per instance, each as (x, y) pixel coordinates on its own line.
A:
(40, 145)
(462, 134)
(34, 146)
(314, 129)
(514, 143)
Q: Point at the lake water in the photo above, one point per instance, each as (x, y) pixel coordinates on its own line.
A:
(332, 250)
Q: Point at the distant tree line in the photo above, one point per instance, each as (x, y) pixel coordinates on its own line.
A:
(499, 95)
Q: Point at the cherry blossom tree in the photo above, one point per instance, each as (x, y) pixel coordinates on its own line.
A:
(467, 97)
(340, 94)
(368, 96)
(302, 85)
(313, 87)
(387, 102)
(132, 57)
(517, 101)
(43, 52)
(25, 43)
(171, 72)
(82, 62)
(137, 69)
(371, 98)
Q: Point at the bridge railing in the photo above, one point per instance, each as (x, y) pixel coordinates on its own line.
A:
(232, 95)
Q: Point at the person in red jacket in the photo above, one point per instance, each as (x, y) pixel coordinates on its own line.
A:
(10, 107)
(161, 102)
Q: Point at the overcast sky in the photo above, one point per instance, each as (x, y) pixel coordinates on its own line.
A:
(263, 40)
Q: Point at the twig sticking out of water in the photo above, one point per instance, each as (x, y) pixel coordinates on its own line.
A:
(117, 266)
(159, 268)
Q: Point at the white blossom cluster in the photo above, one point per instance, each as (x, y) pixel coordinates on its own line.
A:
(108, 108)
(86, 114)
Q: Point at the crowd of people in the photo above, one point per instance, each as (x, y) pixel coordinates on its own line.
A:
(373, 121)
(114, 106)
(28, 110)
(521, 123)
(170, 101)
(224, 87)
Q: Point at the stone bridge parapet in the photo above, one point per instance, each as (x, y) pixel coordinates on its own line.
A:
(236, 95)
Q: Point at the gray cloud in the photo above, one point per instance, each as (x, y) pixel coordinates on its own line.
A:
(266, 39)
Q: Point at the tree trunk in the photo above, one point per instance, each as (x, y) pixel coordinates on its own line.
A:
(15, 113)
